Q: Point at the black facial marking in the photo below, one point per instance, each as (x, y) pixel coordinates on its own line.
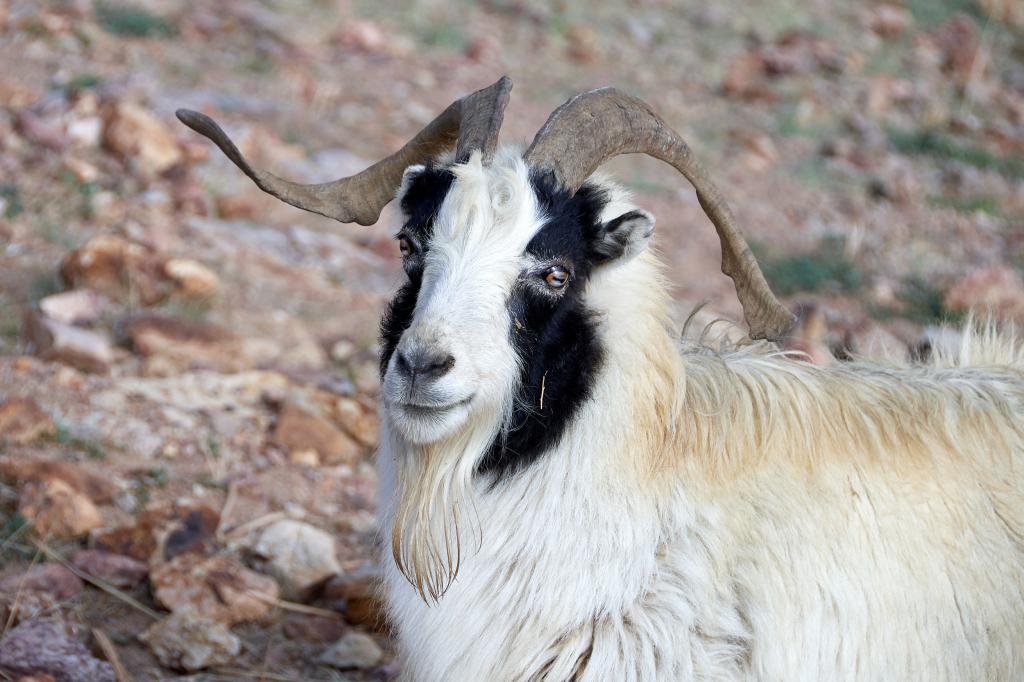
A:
(421, 202)
(555, 335)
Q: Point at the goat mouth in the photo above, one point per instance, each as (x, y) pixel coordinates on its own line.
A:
(419, 409)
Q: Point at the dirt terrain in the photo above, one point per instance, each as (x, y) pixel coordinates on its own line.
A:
(188, 373)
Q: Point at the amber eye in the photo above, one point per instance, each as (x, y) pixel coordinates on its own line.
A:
(556, 278)
(405, 246)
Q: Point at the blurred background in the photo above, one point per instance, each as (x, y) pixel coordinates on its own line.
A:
(188, 367)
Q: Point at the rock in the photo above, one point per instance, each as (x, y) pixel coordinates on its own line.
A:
(353, 650)
(342, 351)
(184, 642)
(55, 509)
(175, 345)
(238, 206)
(82, 170)
(40, 647)
(191, 278)
(41, 132)
(744, 77)
(943, 341)
(800, 51)
(189, 197)
(357, 594)
(80, 348)
(162, 533)
(53, 580)
(22, 421)
(24, 606)
(1010, 12)
(138, 137)
(887, 20)
(484, 48)
(298, 430)
(313, 628)
(100, 489)
(839, 148)
(358, 419)
(958, 42)
(85, 131)
(116, 267)
(897, 183)
(219, 589)
(997, 290)
(761, 152)
(115, 569)
(191, 528)
(299, 555)
(810, 335)
(794, 52)
(305, 458)
(583, 43)
(195, 151)
(78, 306)
(869, 340)
(362, 35)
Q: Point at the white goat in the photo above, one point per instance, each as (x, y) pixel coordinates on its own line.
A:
(574, 497)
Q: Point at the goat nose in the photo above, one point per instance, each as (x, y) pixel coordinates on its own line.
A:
(424, 362)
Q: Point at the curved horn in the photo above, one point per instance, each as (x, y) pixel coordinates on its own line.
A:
(471, 123)
(595, 126)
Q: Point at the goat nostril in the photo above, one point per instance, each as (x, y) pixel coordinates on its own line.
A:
(402, 362)
(424, 363)
(434, 364)
(444, 366)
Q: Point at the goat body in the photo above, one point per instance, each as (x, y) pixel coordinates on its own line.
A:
(569, 496)
(729, 515)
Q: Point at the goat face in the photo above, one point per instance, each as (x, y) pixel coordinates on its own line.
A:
(492, 324)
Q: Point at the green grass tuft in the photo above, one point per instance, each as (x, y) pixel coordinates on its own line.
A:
(91, 448)
(83, 81)
(158, 476)
(13, 528)
(919, 301)
(931, 13)
(448, 35)
(259, 64)
(922, 302)
(133, 22)
(192, 309)
(43, 284)
(14, 205)
(10, 319)
(827, 268)
(936, 144)
(985, 203)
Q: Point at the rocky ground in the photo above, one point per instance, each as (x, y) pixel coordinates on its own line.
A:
(187, 367)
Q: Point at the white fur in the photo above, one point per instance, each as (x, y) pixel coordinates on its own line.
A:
(707, 515)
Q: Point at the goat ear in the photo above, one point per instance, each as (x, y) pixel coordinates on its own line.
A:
(623, 237)
(407, 177)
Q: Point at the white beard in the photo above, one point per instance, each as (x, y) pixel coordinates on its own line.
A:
(434, 505)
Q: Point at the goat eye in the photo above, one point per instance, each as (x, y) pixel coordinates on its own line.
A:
(556, 278)
(405, 246)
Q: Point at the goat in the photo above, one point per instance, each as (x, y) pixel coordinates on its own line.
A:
(572, 496)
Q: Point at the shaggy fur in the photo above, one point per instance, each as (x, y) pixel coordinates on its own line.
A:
(705, 515)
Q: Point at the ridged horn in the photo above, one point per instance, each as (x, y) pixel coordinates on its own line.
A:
(468, 124)
(595, 126)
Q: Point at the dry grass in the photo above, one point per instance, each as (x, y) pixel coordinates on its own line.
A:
(103, 585)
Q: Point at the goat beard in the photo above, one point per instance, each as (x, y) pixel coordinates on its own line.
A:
(435, 511)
